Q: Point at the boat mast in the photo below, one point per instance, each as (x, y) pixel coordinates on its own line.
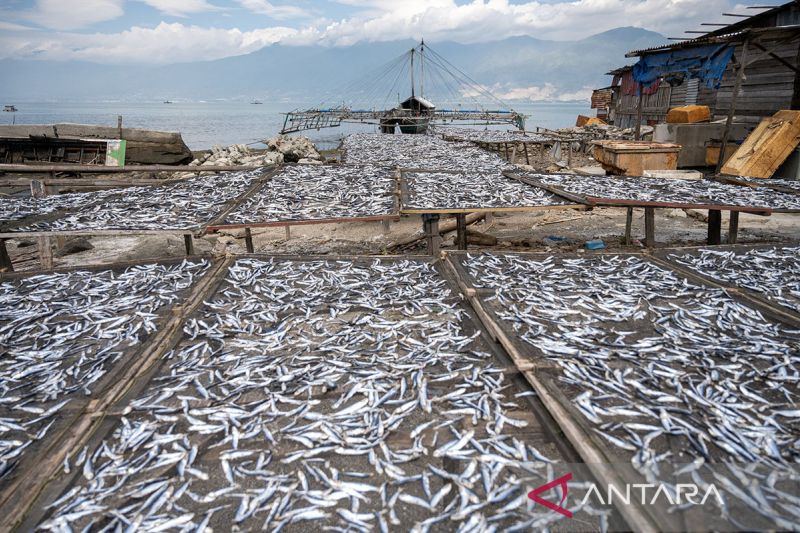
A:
(422, 69)
(412, 72)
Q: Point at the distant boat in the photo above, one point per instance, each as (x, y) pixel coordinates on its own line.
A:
(167, 101)
(256, 102)
(9, 109)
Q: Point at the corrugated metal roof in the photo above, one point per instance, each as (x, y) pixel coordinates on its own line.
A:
(711, 39)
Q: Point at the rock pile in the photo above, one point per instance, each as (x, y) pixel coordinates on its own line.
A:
(279, 149)
(294, 149)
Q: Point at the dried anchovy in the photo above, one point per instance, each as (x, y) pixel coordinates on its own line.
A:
(420, 152)
(182, 205)
(348, 394)
(793, 185)
(434, 190)
(60, 333)
(312, 192)
(492, 136)
(669, 190)
(772, 272)
(665, 370)
(13, 208)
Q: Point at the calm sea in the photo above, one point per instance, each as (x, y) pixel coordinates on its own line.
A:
(204, 124)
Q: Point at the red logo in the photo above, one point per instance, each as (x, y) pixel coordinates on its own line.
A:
(562, 481)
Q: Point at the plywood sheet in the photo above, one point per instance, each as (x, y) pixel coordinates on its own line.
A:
(766, 147)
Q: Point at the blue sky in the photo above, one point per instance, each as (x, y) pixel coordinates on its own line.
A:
(164, 31)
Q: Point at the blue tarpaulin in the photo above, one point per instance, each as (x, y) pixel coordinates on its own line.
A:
(705, 63)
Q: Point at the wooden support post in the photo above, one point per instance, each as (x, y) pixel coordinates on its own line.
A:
(527, 157)
(737, 84)
(430, 227)
(119, 126)
(714, 226)
(188, 242)
(387, 228)
(248, 240)
(628, 226)
(506, 147)
(649, 226)
(461, 231)
(45, 253)
(288, 232)
(569, 154)
(38, 189)
(733, 228)
(5, 259)
(638, 136)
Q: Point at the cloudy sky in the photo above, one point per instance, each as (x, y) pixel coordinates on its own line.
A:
(164, 31)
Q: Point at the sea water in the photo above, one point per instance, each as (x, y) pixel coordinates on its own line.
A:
(204, 124)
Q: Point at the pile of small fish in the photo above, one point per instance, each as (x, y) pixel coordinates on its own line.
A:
(13, 208)
(60, 334)
(492, 136)
(187, 204)
(440, 190)
(340, 395)
(790, 185)
(706, 192)
(772, 272)
(314, 192)
(417, 152)
(665, 370)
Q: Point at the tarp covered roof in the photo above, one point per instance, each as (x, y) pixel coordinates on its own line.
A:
(704, 63)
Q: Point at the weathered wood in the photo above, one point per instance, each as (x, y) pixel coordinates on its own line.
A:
(248, 240)
(188, 242)
(5, 260)
(100, 169)
(726, 133)
(638, 135)
(733, 228)
(461, 231)
(38, 189)
(386, 225)
(288, 232)
(45, 252)
(444, 227)
(430, 227)
(649, 227)
(527, 158)
(628, 226)
(480, 238)
(766, 147)
(714, 226)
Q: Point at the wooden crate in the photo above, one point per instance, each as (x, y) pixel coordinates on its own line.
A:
(767, 146)
(689, 114)
(632, 158)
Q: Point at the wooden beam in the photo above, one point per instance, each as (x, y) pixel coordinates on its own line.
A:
(714, 226)
(638, 135)
(737, 85)
(188, 242)
(45, 253)
(628, 226)
(733, 228)
(248, 240)
(461, 231)
(100, 169)
(650, 226)
(430, 227)
(5, 260)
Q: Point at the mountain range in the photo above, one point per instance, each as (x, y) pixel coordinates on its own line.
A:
(518, 67)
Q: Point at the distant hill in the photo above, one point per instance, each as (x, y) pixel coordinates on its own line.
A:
(304, 74)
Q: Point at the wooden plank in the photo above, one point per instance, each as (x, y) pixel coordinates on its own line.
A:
(461, 231)
(188, 242)
(248, 240)
(287, 223)
(628, 226)
(95, 233)
(714, 226)
(767, 147)
(649, 227)
(5, 260)
(733, 228)
(100, 169)
(45, 252)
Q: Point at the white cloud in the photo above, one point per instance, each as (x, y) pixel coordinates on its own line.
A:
(278, 12)
(534, 93)
(181, 8)
(375, 20)
(64, 15)
(166, 43)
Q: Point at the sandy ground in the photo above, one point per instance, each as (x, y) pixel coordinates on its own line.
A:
(518, 231)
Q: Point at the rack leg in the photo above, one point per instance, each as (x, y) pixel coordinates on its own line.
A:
(430, 226)
(45, 253)
(628, 226)
(5, 259)
(461, 231)
(386, 226)
(288, 232)
(649, 227)
(714, 226)
(248, 239)
(188, 242)
(733, 230)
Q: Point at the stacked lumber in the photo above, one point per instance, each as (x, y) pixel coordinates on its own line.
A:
(767, 147)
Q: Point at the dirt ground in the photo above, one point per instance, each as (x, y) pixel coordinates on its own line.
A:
(562, 230)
